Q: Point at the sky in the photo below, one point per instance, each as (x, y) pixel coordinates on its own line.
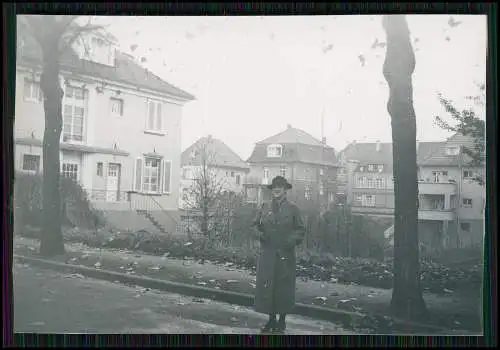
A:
(254, 75)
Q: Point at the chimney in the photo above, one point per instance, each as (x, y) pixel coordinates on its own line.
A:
(288, 126)
(377, 146)
(323, 140)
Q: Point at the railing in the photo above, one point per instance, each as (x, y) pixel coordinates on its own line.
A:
(147, 202)
(108, 196)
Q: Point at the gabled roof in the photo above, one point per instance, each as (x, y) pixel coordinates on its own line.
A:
(292, 135)
(125, 70)
(367, 153)
(298, 146)
(441, 158)
(295, 153)
(218, 152)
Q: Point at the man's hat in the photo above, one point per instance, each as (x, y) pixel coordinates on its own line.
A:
(279, 181)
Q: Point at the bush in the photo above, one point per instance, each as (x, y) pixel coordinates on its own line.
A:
(76, 208)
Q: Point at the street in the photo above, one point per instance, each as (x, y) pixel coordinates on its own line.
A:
(51, 302)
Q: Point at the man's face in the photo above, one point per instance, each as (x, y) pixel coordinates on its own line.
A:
(278, 192)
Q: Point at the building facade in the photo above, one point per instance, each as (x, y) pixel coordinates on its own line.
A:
(212, 159)
(450, 200)
(121, 125)
(307, 163)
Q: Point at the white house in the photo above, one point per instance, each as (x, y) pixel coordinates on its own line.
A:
(121, 127)
(226, 168)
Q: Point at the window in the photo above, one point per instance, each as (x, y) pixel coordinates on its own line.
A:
(467, 202)
(155, 117)
(32, 91)
(232, 173)
(371, 167)
(362, 181)
(370, 183)
(468, 174)
(321, 188)
(274, 151)
(73, 113)
(379, 182)
(368, 200)
(238, 179)
(116, 106)
(70, 170)
(152, 175)
(321, 172)
(380, 168)
(453, 151)
(465, 226)
(308, 192)
(438, 175)
(99, 169)
(151, 179)
(359, 197)
(31, 163)
(283, 170)
(266, 173)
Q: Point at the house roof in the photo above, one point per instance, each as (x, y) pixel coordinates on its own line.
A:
(298, 146)
(367, 153)
(220, 154)
(295, 153)
(441, 158)
(126, 70)
(292, 135)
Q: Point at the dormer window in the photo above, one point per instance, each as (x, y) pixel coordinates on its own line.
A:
(453, 151)
(275, 151)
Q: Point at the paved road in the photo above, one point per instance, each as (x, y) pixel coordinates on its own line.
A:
(51, 302)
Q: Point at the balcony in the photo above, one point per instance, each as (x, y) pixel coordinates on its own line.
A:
(437, 215)
(444, 188)
(373, 211)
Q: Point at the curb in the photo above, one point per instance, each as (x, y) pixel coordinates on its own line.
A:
(242, 299)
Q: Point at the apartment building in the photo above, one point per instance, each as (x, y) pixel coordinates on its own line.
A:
(450, 200)
(309, 164)
(225, 169)
(121, 126)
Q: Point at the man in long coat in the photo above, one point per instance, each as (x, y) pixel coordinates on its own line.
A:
(280, 229)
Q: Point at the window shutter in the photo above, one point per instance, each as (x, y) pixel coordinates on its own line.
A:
(151, 116)
(138, 175)
(160, 176)
(158, 116)
(167, 176)
(27, 89)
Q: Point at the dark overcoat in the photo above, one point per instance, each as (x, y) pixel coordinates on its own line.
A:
(279, 231)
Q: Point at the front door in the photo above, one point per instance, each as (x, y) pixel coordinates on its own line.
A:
(112, 181)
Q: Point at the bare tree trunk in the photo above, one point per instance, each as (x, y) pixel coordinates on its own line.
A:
(407, 300)
(51, 238)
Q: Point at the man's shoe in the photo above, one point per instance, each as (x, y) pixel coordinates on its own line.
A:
(269, 327)
(280, 327)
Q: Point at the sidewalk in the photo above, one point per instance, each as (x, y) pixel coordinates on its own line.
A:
(51, 302)
(446, 311)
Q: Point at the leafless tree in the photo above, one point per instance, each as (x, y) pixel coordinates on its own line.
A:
(54, 35)
(206, 192)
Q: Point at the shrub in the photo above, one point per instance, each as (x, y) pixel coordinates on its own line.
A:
(76, 208)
